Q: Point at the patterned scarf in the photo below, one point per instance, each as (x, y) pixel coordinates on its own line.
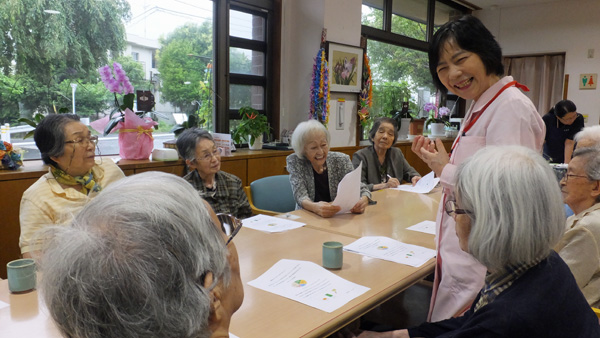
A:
(86, 181)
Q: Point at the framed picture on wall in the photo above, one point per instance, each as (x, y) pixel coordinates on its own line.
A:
(345, 67)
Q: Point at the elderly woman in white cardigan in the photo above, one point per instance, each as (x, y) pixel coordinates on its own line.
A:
(315, 171)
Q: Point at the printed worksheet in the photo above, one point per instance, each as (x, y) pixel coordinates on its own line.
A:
(348, 192)
(3, 304)
(427, 227)
(391, 250)
(308, 283)
(423, 186)
(270, 223)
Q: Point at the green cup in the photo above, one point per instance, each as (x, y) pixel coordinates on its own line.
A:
(21, 275)
(333, 257)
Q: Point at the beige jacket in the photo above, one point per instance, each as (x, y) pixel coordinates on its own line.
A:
(580, 249)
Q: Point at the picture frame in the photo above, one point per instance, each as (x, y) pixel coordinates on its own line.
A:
(344, 74)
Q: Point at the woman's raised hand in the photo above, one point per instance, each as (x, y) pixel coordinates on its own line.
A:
(432, 153)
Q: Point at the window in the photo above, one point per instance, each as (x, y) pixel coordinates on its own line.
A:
(172, 48)
(397, 33)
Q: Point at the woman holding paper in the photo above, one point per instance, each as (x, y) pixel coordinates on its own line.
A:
(383, 165)
(315, 171)
(465, 58)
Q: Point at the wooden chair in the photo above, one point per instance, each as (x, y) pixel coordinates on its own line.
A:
(271, 195)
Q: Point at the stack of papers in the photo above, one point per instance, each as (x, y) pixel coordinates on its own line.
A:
(391, 250)
(308, 283)
(270, 223)
(427, 227)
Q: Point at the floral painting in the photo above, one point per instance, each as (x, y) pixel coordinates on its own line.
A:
(345, 67)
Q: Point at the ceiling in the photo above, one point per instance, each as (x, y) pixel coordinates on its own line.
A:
(489, 4)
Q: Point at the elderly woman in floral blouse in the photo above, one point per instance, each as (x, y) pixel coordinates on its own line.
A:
(315, 171)
(223, 191)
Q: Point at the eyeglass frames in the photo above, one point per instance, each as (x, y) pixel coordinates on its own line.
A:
(230, 225)
(566, 176)
(85, 141)
(209, 156)
(452, 210)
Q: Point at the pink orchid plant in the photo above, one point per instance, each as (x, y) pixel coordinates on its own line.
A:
(117, 82)
(436, 115)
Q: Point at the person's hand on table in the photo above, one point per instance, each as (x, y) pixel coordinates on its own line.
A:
(360, 206)
(392, 183)
(433, 154)
(325, 209)
(415, 179)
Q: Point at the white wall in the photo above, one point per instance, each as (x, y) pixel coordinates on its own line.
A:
(554, 27)
(302, 23)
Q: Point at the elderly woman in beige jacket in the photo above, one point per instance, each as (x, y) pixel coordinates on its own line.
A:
(580, 245)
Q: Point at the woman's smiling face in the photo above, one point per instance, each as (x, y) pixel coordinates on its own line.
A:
(462, 72)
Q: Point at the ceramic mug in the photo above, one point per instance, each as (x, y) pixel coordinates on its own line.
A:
(21, 275)
(333, 257)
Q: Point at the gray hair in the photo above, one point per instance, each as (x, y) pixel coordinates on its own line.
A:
(517, 210)
(304, 133)
(133, 262)
(187, 141)
(592, 133)
(591, 156)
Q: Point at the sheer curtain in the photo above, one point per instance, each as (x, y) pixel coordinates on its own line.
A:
(543, 74)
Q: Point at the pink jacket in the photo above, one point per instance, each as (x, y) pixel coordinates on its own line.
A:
(510, 119)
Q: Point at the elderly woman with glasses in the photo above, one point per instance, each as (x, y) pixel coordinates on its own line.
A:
(136, 264)
(383, 165)
(223, 191)
(315, 172)
(580, 245)
(562, 123)
(509, 216)
(74, 177)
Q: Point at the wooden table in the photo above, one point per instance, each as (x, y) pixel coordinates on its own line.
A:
(264, 314)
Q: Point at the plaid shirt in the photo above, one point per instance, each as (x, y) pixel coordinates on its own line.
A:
(497, 282)
(228, 197)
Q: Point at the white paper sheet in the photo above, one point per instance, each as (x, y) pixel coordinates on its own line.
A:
(231, 335)
(391, 250)
(3, 305)
(270, 223)
(308, 283)
(423, 186)
(427, 227)
(348, 192)
(223, 141)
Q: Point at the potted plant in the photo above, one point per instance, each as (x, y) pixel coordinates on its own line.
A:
(438, 118)
(251, 128)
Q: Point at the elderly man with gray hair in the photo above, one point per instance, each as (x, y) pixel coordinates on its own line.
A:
(146, 258)
(580, 245)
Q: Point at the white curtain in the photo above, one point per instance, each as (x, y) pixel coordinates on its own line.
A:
(543, 74)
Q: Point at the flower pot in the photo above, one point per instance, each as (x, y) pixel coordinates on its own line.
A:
(257, 145)
(416, 127)
(437, 129)
(403, 132)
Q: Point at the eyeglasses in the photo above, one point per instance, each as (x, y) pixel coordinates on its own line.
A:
(230, 225)
(568, 120)
(452, 210)
(209, 156)
(85, 141)
(566, 177)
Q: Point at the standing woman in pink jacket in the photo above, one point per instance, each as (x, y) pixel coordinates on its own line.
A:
(464, 58)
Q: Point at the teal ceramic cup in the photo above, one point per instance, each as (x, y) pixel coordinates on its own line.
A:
(21, 275)
(333, 257)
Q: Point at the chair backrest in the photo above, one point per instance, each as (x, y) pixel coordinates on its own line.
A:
(273, 193)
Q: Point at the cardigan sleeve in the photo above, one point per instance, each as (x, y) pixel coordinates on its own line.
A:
(581, 253)
(357, 158)
(297, 179)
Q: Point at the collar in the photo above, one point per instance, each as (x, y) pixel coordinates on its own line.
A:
(572, 220)
(199, 185)
(490, 92)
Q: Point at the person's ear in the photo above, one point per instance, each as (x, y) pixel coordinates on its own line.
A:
(596, 190)
(191, 164)
(215, 295)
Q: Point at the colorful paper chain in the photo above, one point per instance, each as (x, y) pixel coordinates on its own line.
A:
(319, 89)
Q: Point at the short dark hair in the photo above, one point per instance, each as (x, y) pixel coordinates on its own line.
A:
(49, 135)
(563, 107)
(186, 142)
(471, 35)
(378, 123)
